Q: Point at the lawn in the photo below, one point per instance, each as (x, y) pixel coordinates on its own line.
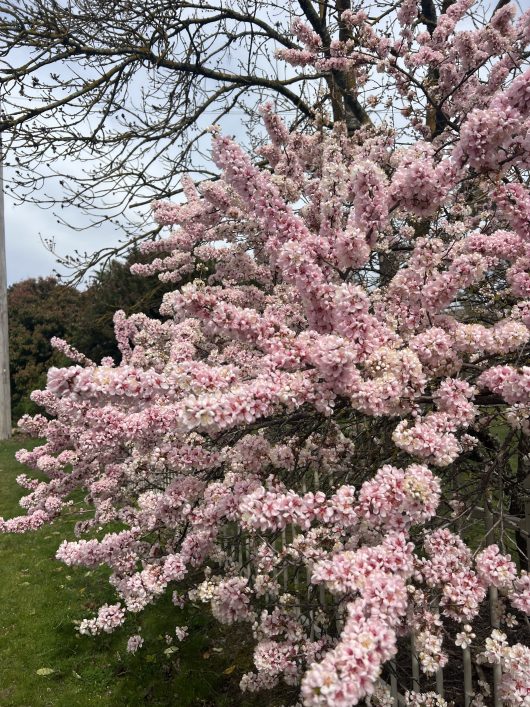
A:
(40, 600)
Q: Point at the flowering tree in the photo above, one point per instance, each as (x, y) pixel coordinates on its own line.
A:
(343, 392)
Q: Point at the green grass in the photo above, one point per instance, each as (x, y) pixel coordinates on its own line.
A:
(40, 599)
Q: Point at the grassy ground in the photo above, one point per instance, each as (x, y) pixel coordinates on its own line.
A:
(40, 599)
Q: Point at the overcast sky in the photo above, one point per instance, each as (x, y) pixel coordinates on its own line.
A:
(26, 254)
(27, 226)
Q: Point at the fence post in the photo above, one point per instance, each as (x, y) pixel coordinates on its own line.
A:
(494, 609)
(526, 491)
(468, 677)
(394, 683)
(296, 580)
(415, 664)
(440, 682)
(285, 567)
(240, 558)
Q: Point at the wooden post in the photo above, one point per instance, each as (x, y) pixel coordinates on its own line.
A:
(415, 664)
(5, 390)
(468, 677)
(440, 682)
(285, 567)
(494, 608)
(526, 525)
(394, 683)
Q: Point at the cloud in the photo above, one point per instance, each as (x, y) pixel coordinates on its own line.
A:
(27, 226)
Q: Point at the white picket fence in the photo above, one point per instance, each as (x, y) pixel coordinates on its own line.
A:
(240, 548)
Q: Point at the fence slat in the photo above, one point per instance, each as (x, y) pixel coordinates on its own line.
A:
(468, 677)
(285, 567)
(393, 683)
(440, 682)
(415, 664)
(297, 572)
(494, 610)
(495, 623)
(526, 487)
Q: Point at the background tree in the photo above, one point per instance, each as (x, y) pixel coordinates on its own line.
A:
(38, 310)
(115, 286)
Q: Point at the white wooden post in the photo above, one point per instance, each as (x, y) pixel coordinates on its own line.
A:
(526, 526)
(415, 664)
(5, 389)
(494, 609)
(468, 681)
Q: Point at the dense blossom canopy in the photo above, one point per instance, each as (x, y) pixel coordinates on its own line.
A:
(336, 380)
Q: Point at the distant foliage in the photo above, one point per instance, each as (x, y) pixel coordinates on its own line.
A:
(38, 310)
(112, 287)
